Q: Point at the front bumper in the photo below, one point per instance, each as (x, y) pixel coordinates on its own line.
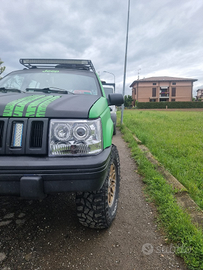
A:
(34, 177)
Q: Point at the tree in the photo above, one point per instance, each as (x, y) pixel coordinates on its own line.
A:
(128, 101)
(1, 68)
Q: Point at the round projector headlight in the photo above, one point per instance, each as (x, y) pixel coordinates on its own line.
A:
(81, 132)
(62, 132)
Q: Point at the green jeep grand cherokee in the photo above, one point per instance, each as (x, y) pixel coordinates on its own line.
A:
(56, 136)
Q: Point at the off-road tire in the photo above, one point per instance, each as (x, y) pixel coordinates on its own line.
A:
(97, 209)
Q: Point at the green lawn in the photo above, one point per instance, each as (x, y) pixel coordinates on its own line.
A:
(175, 138)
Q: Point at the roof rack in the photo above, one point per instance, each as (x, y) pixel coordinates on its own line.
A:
(59, 63)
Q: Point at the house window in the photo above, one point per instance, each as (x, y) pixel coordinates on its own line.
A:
(174, 83)
(154, 92)
(154, 83)
(173, 92)
(134, 90)
(173, 99)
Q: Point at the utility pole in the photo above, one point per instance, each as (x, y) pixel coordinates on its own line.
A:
(125, 64)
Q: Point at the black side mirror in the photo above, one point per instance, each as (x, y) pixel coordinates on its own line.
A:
(115, 99)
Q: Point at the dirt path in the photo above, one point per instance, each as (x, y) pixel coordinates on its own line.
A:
(46, 235)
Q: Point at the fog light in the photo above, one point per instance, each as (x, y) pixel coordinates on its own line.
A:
(17, 135)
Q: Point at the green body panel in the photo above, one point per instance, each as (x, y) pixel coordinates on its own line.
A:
(107, 128)
(101, 109)
(97, 109)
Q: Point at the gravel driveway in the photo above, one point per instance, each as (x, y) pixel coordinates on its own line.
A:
(46, 235)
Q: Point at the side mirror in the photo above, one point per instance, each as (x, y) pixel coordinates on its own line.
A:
(115, 99)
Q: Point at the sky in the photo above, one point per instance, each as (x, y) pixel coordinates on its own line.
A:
(165, 37)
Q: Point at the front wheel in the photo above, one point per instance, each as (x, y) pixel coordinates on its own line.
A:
(97, 209)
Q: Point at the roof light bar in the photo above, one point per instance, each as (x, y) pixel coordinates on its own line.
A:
(29, 63)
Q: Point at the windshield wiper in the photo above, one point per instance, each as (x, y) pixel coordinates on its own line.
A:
(49, 90)
(6, 90)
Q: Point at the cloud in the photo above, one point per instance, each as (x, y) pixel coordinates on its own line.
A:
(165, 38)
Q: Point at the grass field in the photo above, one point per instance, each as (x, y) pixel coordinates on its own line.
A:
(175, 138)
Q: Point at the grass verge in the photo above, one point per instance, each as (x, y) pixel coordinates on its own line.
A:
(175, 138)
(176, 223)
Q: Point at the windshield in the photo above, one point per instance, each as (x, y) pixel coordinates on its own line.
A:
(74, 81)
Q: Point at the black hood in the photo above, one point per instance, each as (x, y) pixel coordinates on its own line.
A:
(46, 105)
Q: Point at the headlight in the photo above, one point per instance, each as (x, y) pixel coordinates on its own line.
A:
(81, 132)
(75, 137)
(62, 132)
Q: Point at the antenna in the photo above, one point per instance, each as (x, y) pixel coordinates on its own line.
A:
(138, 72)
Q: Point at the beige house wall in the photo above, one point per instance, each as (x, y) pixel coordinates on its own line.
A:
(143, 90)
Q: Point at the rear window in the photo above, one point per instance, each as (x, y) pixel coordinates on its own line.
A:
(108, 90)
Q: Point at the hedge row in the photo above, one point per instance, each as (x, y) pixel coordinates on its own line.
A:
(170, 105)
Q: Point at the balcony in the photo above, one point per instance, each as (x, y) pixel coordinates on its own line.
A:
(164, 95)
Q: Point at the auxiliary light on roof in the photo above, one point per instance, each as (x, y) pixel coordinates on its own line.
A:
(29, 63)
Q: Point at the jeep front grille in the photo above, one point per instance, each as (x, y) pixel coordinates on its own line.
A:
(37, 134)
(23, 136)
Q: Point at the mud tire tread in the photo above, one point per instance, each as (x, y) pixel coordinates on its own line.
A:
(92, 207)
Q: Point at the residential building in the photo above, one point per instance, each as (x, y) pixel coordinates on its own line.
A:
(158, 89)
(199, 94)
